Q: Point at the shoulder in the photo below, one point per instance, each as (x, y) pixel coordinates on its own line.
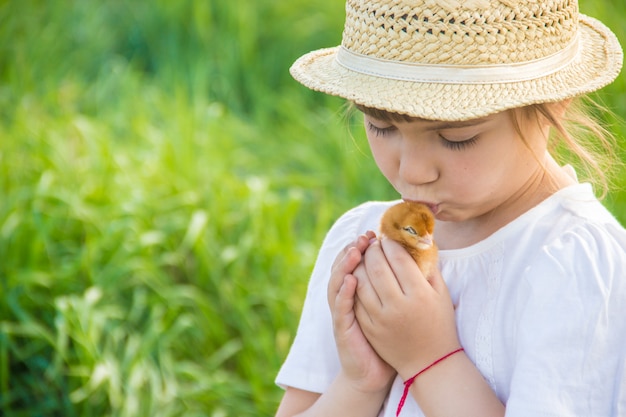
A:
(582, 230)
(580, 202)
(585, 254)
(355, 221)
(569, 308)
(568, 247)
(580, 254)
(365, 212)
(572, 220)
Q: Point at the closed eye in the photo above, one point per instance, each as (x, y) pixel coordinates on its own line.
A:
(380, 131)
(457, 145)
(410, 230)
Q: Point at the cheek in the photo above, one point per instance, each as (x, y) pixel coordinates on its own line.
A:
(464, 169)
(384, 157)
(471, 178)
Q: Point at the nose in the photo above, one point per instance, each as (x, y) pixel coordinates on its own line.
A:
(417, 162)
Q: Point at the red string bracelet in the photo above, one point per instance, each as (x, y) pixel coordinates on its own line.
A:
(409, 382)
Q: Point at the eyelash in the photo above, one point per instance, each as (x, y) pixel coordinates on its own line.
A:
(459, 145)
(450, 144)
(380, 131)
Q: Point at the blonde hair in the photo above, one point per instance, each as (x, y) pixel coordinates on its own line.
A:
(577, 136)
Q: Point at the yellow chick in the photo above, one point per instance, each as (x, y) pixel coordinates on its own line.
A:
(412, 225)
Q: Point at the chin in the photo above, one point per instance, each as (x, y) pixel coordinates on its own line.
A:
(446, 216)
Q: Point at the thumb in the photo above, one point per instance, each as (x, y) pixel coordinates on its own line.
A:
(437, 282)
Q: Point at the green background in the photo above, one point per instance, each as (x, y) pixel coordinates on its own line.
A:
(164, 187)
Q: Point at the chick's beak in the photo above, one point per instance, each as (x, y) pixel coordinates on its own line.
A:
(425, 242)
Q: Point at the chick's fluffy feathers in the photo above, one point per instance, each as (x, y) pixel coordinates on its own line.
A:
(412, 225)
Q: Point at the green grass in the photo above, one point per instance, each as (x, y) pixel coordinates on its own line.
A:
(164, 187)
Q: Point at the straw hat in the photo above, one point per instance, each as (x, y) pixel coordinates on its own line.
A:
(462, 59)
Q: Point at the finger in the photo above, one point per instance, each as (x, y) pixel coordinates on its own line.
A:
(347, 260)
(403, 266)
(342, 311)
(341, 255)
(361, 314)
(360, 243)
(365, 291)
(380, 274)
(370, 234)
(344, 264)
(438, 283)
(364, 240)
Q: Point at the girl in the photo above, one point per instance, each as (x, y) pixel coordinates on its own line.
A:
(526, 315)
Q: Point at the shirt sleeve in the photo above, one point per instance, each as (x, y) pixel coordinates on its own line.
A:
(570, 358)
(313, 362)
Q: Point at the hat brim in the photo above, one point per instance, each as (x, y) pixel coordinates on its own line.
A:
(597, 64)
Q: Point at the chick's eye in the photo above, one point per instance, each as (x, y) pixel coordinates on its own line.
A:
(380, 131)
(410, 230)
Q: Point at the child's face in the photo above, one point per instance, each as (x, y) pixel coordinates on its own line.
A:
(462, 170)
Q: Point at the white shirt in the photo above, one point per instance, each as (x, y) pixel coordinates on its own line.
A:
(540, 309)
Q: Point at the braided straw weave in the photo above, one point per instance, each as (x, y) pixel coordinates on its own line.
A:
(458, 60)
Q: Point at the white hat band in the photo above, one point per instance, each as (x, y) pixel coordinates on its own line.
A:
(458, 74)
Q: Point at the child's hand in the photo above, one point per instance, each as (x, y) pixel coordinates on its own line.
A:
(360, 363)
(407, 319)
